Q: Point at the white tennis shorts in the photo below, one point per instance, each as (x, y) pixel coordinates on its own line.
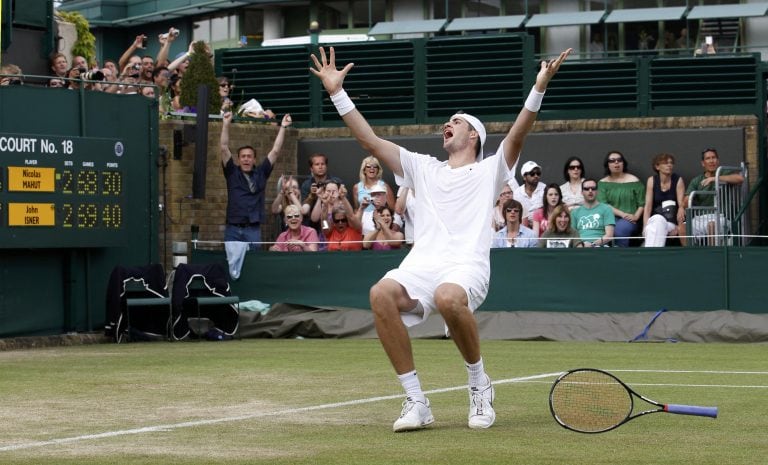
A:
(421, 283)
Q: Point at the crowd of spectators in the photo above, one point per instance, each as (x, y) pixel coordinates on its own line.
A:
(134, 73)
(618, 210)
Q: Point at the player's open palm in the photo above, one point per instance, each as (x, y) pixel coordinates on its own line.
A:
(325, 69)
(548, 70)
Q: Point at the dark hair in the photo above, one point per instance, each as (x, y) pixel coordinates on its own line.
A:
(512, 203)
(587, 180)
(608, 155)
(568, 162)
(159, 69)
(391, 213)
(315, 155)
(704, 152)
(478, 142)
(245, 147)
(661, 158)
(544, 204)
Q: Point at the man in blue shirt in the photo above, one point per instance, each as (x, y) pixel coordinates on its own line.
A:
(246, 183)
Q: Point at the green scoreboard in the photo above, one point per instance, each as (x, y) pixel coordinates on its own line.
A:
(63, 191)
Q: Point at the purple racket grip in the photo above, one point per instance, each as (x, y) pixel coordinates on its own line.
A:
(691, 410)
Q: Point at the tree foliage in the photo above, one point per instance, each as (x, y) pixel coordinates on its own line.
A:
(85, 45)
(200, 72)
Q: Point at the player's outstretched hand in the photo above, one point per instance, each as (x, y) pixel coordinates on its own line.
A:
(325, 69)
(548, 70)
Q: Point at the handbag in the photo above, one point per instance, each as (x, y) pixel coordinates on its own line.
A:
(667, 209)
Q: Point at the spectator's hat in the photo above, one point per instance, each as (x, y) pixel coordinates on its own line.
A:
(478, 126)
(378, 189)
(528, 167)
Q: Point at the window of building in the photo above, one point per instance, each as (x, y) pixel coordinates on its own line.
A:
(352, 14)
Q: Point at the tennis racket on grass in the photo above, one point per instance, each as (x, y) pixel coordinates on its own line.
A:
(594, 401)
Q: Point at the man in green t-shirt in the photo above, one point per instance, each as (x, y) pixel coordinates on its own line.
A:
(704, 225)
(594, 220)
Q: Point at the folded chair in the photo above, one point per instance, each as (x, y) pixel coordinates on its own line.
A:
(138, 305)
(203, 306)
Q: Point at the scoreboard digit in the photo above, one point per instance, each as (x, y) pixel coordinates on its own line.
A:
(62, 191)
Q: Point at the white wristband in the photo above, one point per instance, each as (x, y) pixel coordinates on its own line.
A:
(342, 102)
(533, 102)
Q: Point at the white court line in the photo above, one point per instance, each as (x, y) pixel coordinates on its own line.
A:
(758, 386)
(707, 372)
(190, 424)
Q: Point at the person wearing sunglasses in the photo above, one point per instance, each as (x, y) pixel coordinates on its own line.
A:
(297, 238)
(225, 89)
(448, 269)
(370, 177)
(343, 235)
(593, 220)
(625, 194)
(514, 233)
(574, 174)
(529, 194)
(498, 221)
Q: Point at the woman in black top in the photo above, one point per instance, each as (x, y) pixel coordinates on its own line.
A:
(664, 193)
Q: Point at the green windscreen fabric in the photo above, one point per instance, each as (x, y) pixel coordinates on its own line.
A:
(572, 280)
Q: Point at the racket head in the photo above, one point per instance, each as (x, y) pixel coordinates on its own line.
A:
(588, 400)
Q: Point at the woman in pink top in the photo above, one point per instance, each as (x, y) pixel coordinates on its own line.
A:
(297, 238)
(383, 237)
(553, 197)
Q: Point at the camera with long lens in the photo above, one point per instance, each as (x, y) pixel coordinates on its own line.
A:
(91, 75)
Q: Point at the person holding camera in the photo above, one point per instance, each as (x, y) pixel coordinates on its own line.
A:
(130, 55)
(166, 40)
(246, 183)
(318, 173)
(378, 199)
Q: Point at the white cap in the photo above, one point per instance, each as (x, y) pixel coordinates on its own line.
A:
(478, 126)
(528, 167)
(378, 189)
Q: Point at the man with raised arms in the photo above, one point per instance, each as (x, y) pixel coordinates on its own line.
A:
(448, 269)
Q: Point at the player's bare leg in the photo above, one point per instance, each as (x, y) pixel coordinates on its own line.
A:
(388, 299)
(451, 301)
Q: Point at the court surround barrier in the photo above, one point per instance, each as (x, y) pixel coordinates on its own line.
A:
(563, 280)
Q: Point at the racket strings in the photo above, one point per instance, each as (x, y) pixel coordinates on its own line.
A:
(590, 401)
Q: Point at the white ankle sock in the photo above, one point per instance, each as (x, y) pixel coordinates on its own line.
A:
(412, 386)
(476, 371)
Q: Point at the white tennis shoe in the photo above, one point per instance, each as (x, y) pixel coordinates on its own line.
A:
(415, 415)
(481, 413)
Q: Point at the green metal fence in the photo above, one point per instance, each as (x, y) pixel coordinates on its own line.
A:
(425, 80)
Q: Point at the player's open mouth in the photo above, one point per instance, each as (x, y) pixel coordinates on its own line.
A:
(447, 134)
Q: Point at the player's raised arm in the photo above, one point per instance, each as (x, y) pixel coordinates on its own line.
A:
(333, 79)
(513, 142)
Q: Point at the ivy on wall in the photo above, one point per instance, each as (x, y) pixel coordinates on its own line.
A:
(85, 45)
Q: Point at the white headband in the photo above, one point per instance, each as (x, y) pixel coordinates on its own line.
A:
(478, 126)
